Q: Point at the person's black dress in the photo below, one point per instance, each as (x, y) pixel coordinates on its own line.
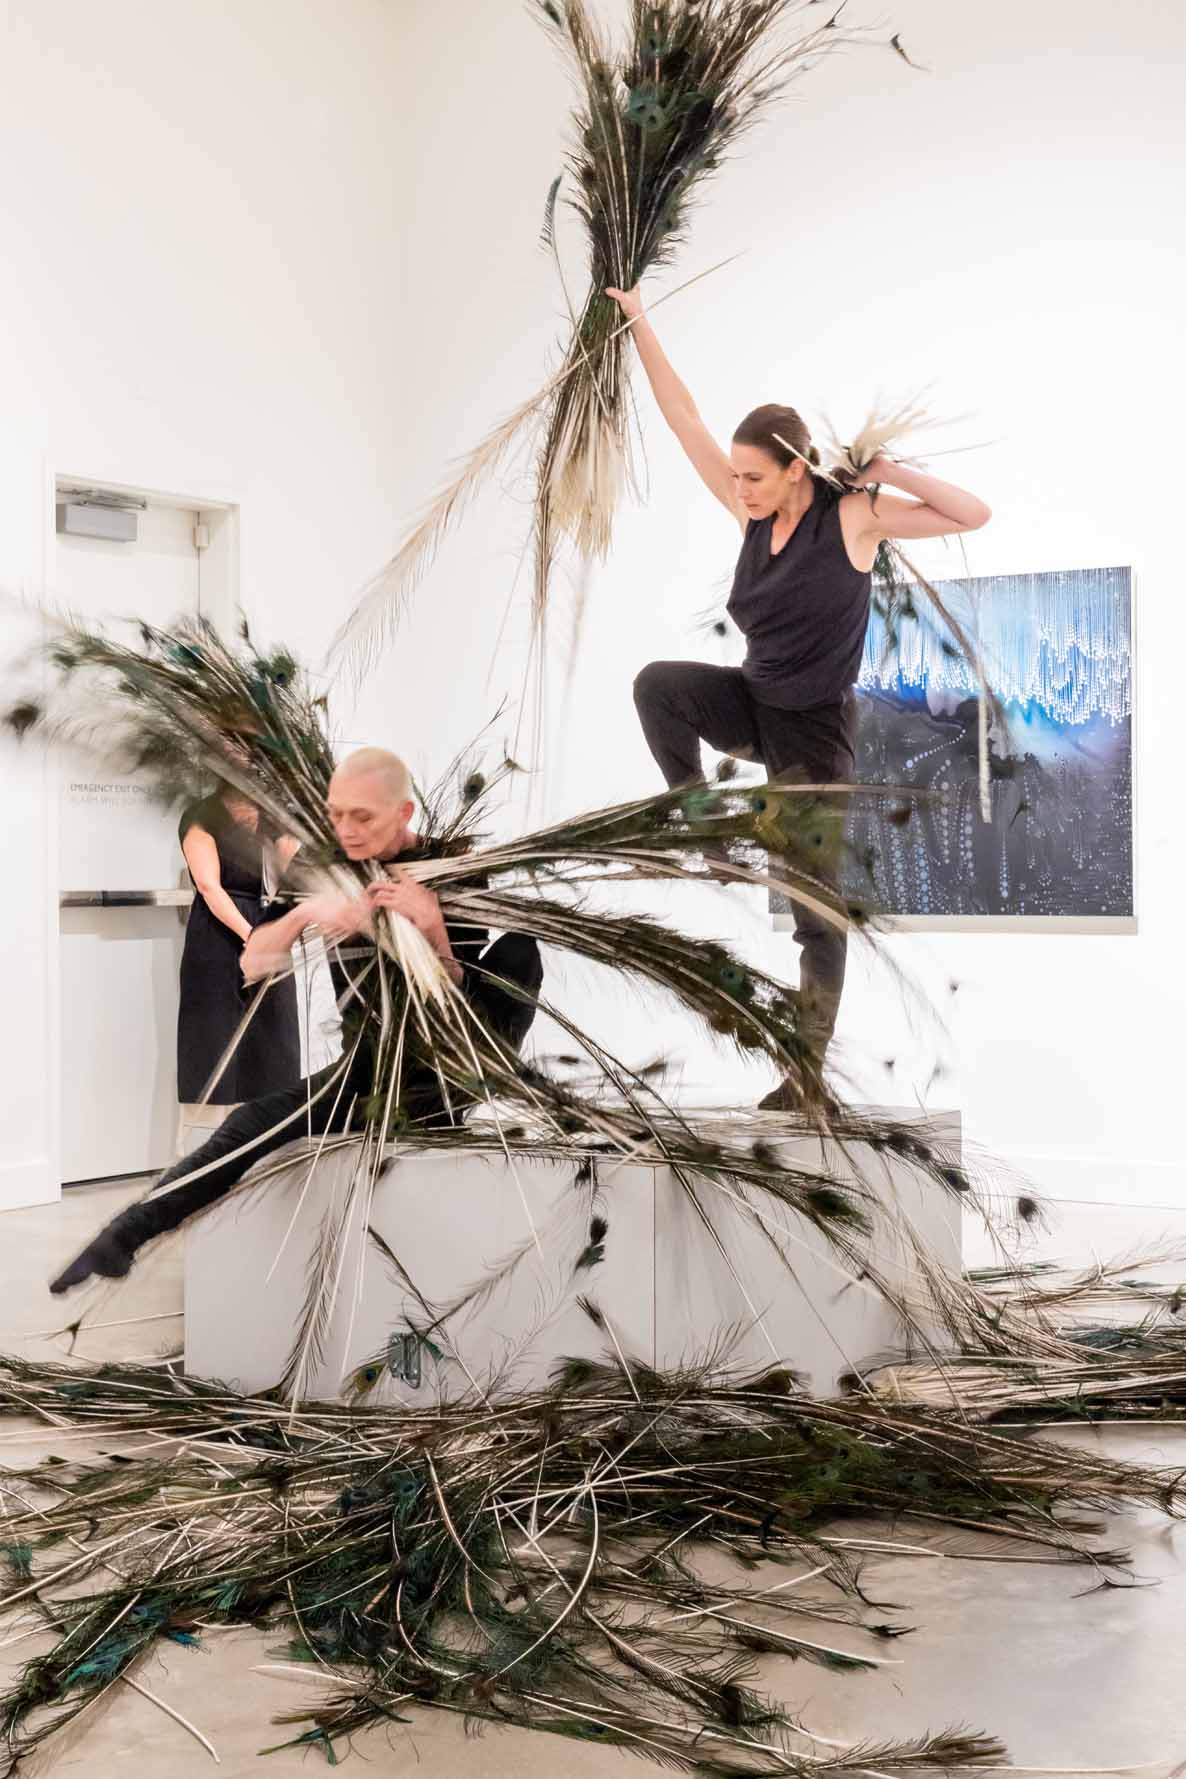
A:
(214, 996)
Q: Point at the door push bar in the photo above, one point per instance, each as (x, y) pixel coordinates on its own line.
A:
(162, 898)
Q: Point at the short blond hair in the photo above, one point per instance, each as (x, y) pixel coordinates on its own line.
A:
(379, 763)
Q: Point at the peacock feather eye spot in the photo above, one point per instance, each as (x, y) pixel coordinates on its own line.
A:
(646, 107)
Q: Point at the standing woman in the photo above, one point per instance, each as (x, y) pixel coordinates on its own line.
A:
(800, 598)
(228, 858)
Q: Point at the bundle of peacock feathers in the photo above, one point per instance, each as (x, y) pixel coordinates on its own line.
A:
(183, 705)
(655, 117)
(560, 1562)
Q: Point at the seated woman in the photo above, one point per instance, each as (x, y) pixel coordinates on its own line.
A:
(370, 805)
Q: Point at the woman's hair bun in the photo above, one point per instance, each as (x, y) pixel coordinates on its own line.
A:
(780, 432)
(813, 457)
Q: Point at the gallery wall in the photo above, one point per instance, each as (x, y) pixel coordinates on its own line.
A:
(1003, 230)
(202, 261)
(299, 268)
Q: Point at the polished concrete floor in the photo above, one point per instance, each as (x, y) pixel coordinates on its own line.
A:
(1086, 1681)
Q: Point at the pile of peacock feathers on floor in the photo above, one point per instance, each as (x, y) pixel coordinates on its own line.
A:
(608, 1560)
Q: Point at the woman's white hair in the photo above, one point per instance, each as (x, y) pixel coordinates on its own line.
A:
(379, 763)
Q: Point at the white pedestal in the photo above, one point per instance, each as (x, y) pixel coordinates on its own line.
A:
(669, 1287)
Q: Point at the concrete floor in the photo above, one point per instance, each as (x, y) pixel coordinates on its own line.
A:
(1089, 1683)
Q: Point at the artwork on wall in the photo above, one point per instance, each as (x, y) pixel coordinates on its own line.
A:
(1059, 847)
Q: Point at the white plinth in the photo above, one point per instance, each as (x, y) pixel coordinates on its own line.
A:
(668, 1291)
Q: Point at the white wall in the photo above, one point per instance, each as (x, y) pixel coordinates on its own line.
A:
(289, 254)
(202, 269)
(1006, 228)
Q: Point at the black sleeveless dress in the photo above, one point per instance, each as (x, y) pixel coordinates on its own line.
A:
(214, 996)
(803, 613)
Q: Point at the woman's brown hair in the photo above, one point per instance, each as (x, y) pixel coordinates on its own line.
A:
(780, 432)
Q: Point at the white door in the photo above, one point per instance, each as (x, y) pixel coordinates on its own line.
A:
(119, 964)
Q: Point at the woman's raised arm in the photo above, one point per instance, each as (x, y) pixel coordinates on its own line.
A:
(938, 509)
(675, 404)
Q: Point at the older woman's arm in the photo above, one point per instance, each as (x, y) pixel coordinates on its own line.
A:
(270, 945)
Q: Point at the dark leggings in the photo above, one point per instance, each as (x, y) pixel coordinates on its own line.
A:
(684, 703)
(314, 1106)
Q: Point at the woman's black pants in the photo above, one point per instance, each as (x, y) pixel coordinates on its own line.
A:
(684, 703)
(320, 1103)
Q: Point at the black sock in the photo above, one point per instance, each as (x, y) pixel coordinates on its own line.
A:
(108, 1256)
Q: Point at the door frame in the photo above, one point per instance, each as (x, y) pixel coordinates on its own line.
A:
(219, 507)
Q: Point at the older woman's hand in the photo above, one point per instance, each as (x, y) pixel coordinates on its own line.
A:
(338, 917)
(401, 894)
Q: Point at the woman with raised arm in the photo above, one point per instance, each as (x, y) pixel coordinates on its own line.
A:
(800, 598)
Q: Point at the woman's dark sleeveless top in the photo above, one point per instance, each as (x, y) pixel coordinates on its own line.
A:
(804, 612)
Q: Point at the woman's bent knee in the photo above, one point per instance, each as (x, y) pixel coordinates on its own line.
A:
(655, 681)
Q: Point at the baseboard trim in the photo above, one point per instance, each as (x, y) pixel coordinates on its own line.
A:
(28, 1183)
